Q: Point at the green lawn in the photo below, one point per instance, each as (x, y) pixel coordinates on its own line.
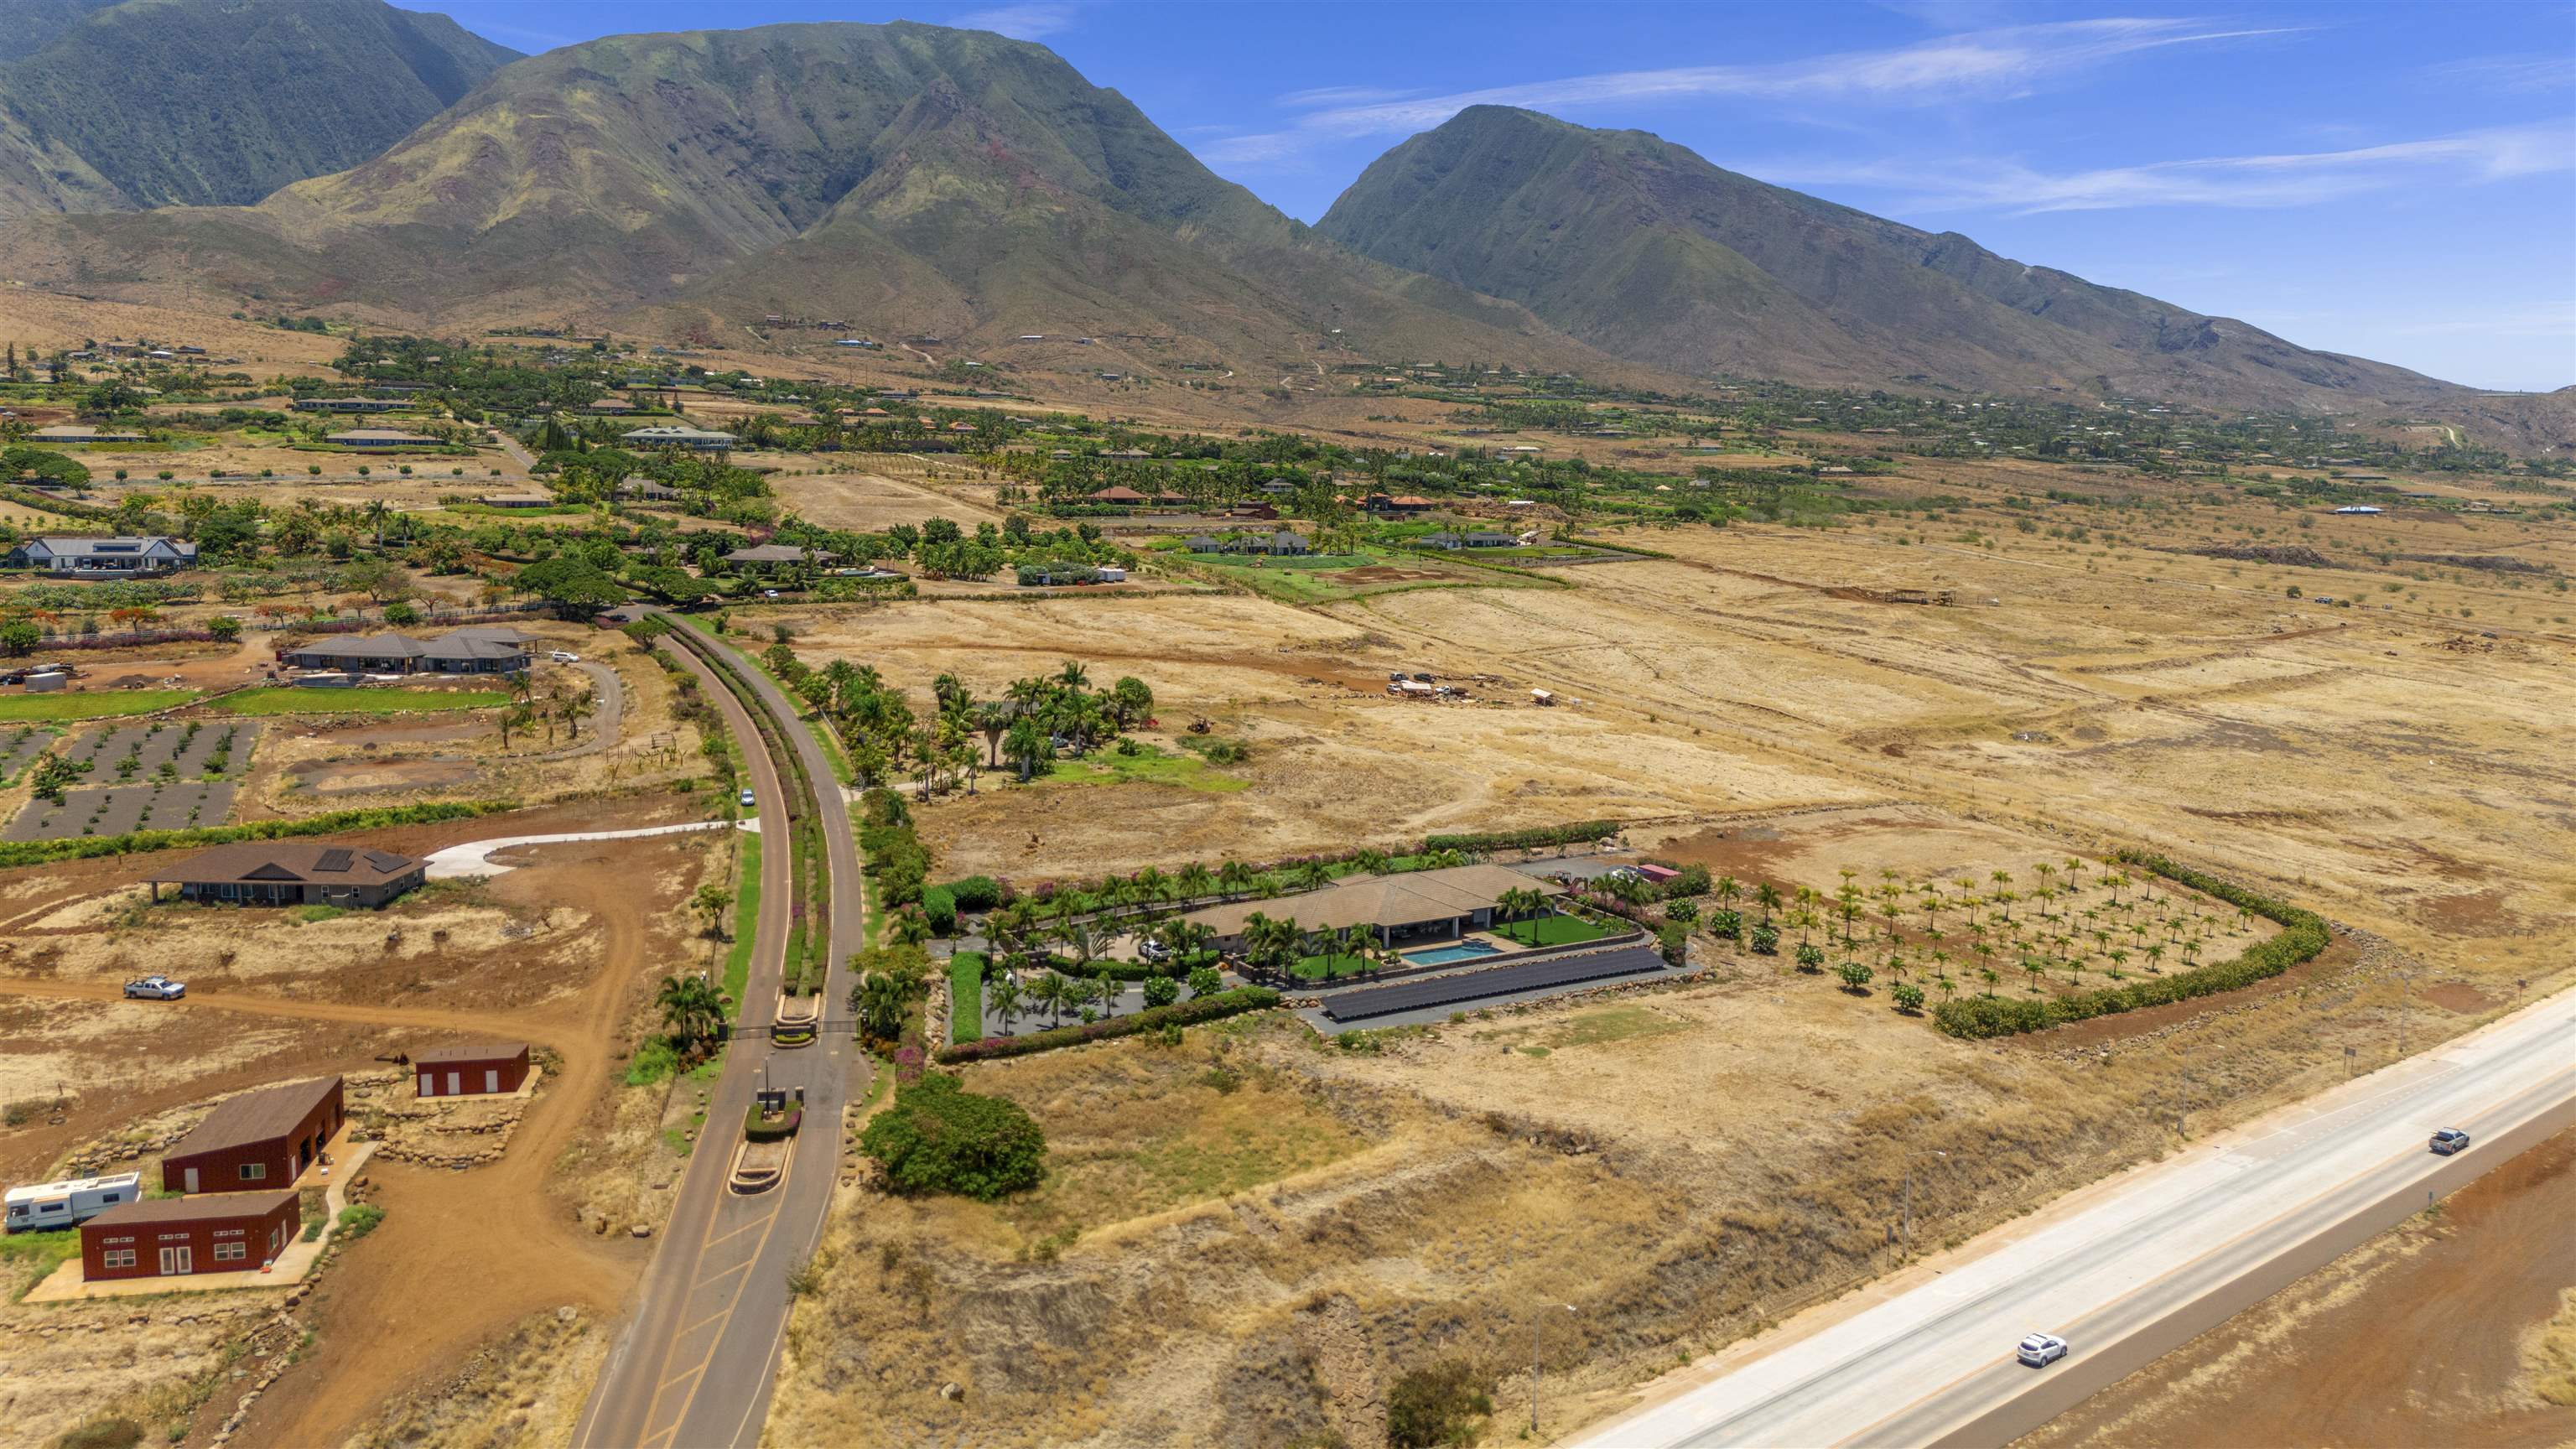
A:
(1552, 931)
(32, 1257)
(289, 699)
(966, 997)
(1327, 967)
(746, 918)
(1150, 766)
(91, 706)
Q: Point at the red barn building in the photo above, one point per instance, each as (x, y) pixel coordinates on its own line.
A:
(257, 1140)
(471, 1071)
(224, 1232)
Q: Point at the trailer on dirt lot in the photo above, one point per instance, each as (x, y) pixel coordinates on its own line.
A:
(61, 1204)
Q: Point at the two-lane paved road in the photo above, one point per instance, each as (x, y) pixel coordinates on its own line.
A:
(2131, 1269)
(693, 1369)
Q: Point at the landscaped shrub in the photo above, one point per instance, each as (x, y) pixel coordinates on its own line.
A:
(359, 1219)
(1161, 991)
(754, 1129)
(975, 893)
(938, 1137)
(939, 907)
(2303, 935)
(1185, 1013)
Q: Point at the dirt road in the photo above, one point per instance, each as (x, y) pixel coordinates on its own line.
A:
(2340, 1356)
(432, 1270)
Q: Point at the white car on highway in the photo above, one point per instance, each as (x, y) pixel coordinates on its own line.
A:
(2039, 1350)
(156, 988)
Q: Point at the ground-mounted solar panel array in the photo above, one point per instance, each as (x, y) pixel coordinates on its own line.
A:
(1438, 991)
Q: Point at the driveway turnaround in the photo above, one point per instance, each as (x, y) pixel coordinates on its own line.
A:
(2132, 1268)
(470, 858)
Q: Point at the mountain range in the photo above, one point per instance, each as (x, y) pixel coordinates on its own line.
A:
(121, 106)
(917, 179)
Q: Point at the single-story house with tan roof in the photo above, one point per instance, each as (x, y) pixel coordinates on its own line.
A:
(1414, 905)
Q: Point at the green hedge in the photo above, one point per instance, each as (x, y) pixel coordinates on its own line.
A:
(1155, 1018)
(1535, 836)
(974, 892)
(2303, 935)
(90, 847)
(755, 1130)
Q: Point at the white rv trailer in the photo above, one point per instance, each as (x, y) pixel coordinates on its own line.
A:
(61, 1204)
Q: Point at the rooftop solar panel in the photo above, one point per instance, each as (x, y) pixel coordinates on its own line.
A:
(333, 859)
(1438, 991)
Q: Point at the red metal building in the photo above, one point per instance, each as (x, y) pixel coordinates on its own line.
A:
(257, 1140)
(224, 1232)
(471, 1071)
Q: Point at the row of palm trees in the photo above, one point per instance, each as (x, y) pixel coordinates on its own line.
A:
(1901, 919)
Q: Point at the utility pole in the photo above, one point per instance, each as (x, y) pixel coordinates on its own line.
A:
(2405, 1000)
(1535, 1321)
(1909, 1199)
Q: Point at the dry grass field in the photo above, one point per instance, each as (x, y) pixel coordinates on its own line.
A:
(1685, 1163)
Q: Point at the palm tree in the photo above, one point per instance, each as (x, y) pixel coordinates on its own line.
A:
(1234, 877)
(1726, 890)
(1314, 875)
(1073, 676)
(692, 1010)
(1004, 993)
(1194, 881)
(1370, 860)
(1990, 978)
(1767, 896)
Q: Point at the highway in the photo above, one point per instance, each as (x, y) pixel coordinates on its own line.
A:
(2130, 1269)
(693, 1366)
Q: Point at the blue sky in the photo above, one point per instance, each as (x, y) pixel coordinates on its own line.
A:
(2393, 181)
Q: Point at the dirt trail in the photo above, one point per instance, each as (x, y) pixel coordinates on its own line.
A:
(436, 1281)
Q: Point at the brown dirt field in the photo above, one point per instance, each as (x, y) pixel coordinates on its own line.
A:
(854, 495)
(575, 984)
(2422, 1336)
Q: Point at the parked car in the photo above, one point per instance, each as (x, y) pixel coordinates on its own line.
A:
(769, 593)
(749, 800)
(1153, 950)
(156, 988)
(2450, 1140)
(2039, 1350)
(563, 656)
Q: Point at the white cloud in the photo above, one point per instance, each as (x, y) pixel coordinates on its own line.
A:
(1020, 22)
(2274, 180)
(1342, 96)
(1982, 65)
(2523, 75)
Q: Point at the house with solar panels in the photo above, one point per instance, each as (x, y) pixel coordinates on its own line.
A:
(292, 873)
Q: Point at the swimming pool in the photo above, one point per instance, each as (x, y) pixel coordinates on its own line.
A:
(1448, 955)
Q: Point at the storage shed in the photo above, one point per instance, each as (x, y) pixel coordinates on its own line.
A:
(224, 1232)
(256, 1140)
(471, 1071)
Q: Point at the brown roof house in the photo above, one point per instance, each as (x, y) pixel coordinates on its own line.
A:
(292, 873)
(468, 1071)
(1412, 905)
(225, 1232)
(257, 1140)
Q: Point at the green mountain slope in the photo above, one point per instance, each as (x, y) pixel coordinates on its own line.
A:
(206, 102)
(911, 176)
(1644, 249)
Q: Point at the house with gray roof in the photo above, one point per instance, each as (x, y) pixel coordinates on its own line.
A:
(123, 556)
(678, 435)
(479, 650)
(767, 558)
